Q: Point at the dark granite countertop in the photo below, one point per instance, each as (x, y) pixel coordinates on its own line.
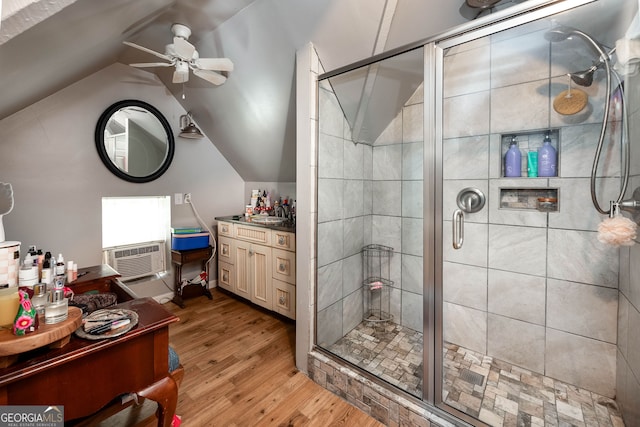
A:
(241, 219)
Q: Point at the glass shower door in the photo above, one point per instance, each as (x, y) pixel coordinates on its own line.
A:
(369, 232)
(529, 296)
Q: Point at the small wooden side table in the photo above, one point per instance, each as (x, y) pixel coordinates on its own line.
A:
(179, 258)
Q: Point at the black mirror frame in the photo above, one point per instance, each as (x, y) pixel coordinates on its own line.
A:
(102, 152)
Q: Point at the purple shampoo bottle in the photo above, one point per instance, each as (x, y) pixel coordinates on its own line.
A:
(547, 159)
(513, 159)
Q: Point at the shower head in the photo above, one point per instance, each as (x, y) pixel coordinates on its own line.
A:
(561, 33)
(482, 4)
(584, 78)
(558, 34)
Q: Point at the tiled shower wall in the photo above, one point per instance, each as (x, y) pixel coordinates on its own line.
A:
(364, 191)
(532, 288)
(397, 195)
(628, 362)
(343, 217)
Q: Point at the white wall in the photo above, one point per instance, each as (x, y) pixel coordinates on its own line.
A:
(307, 69)
(48, 154)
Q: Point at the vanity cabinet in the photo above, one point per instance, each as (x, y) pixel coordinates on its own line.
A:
(258, 263)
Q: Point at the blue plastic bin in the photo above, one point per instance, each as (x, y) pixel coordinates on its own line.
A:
(185, 242)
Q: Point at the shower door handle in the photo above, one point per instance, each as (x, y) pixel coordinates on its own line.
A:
(458, 229)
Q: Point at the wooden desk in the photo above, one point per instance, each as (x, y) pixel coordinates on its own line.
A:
(179, 258)
(101, 278)
(85, 375)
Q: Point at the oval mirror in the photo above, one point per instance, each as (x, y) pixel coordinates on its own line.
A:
(134, 141)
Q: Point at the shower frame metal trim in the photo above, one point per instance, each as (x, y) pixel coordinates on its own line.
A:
(431, 132)
(524, 10)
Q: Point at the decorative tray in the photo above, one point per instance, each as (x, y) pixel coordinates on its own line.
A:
(107, 323)
(56, 336)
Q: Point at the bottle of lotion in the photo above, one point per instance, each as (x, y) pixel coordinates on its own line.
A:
(513, 159)
(547, 159)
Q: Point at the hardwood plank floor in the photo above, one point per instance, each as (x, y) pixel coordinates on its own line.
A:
(240, 371)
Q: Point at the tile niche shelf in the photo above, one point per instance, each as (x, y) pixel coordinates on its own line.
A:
(540, 199)
(528, 141)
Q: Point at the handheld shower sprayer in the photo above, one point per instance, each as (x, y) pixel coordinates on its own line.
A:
(585, 78)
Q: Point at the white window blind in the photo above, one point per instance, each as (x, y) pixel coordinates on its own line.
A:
(130, 220)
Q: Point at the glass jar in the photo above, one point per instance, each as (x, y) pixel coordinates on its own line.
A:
(40, 298)
(57, 309)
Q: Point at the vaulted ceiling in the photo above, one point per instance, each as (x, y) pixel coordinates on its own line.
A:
(47, 45)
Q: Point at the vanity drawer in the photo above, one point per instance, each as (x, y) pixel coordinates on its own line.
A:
(225, 229)
(225, 250)
(284, 265)
(284, 299)
(226, 276)
(283, 240)
(253, 234)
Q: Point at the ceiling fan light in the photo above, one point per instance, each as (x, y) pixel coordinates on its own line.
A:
(182, 67)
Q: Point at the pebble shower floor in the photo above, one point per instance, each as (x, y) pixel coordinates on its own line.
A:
(496, 392)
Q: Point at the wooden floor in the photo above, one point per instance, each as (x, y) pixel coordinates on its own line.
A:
(240, 371)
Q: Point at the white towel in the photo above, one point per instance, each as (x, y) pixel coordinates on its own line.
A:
(628, 51)
(628, 54)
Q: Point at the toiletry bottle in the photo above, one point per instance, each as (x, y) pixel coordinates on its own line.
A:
(513, 159)
(60, 265)
(69, 271)
(40, 261)
(532, 164)
(47, 276)
(547, 159)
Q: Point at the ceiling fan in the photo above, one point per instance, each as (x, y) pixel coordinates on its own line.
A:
(183, 56)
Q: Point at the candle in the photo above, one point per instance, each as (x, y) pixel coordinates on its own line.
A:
(9, 303)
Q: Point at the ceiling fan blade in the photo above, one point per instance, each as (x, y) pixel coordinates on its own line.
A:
(180, 77)
(210, 76)
(144, 49)
(151, 64)
(183, 48)
(217, 64)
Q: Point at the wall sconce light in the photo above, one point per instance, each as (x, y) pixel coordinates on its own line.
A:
(188, 129)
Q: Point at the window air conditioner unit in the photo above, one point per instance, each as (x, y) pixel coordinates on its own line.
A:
(139, 260)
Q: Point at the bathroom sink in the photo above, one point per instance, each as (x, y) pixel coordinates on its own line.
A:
(267, 220)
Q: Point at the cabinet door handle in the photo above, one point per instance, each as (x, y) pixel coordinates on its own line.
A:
(282, 267)
(282, 300)
(225, 278)
(251, 252)
(281, 240)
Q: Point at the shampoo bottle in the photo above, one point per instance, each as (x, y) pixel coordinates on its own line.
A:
(547, 159)
(513, 159)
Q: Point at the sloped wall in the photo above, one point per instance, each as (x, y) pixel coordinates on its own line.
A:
(48, 154)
